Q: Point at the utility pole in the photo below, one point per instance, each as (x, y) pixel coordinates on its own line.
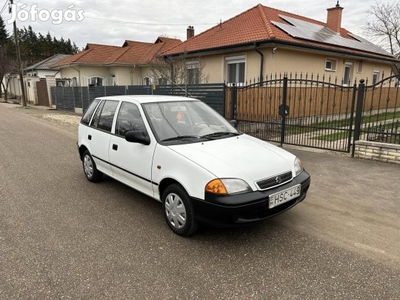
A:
(20, 71)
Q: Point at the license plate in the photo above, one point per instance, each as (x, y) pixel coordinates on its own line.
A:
(284, 196)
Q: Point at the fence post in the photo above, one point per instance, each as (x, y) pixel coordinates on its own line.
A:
(352, 110)
(284, 96)
(81, 94)
(360, 103)
(233, 102)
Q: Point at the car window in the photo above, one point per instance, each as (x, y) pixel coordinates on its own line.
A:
(89, 112)
(104, 116)
(129, 119)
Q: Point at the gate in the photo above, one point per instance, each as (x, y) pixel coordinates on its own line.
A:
(318, 113)
(42, 94)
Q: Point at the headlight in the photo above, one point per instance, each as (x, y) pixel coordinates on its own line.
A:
(227, 186)
(298, 166)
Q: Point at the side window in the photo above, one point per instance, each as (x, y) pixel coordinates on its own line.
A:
(96, 116)
(375, 76)
(330, 65)
(89, 112)
(235, 69)
(129, 119)
(95, 81)
(104, 119)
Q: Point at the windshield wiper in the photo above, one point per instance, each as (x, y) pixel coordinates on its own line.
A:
(220, 134)
(181, 137)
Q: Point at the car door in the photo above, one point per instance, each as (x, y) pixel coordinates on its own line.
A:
(99, 133)
(131, 162)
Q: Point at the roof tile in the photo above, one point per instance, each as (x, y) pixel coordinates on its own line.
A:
(253, 26)
(131, 52)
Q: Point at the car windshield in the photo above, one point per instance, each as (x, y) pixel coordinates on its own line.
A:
(186, 121)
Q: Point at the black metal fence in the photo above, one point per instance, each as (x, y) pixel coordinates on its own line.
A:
(304, 110)
(317, 112)
(380, 111)
(70, 98)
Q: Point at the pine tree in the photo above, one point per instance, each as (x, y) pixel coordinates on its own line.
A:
(4, 58)
(3, 33)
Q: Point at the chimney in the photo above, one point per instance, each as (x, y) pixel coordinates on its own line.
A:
(189, 32)
(334, 18)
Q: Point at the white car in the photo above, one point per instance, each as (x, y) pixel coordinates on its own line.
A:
(182, 153)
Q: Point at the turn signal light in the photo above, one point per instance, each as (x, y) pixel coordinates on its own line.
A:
(216, 187)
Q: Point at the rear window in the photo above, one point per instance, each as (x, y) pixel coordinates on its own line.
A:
(89, 112)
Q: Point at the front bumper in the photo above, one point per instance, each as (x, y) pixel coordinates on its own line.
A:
(249, 207)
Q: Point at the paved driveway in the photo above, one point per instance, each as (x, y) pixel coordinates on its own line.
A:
(63, 237)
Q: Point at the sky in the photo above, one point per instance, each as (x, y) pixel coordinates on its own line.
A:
(113, 22)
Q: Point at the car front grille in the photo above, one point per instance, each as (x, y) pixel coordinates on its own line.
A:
(274, 180)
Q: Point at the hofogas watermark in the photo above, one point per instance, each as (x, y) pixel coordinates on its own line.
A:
(33, 13)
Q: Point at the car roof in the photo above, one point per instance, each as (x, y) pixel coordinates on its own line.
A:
(148, 98)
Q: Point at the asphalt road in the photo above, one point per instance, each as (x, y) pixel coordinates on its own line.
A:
(62, 237)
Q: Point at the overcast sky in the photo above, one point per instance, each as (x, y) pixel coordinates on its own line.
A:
(113, 22)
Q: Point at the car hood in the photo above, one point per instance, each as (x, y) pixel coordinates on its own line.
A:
(238, 157)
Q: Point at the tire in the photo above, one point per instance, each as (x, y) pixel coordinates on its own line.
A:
(90, 169)
(178, 210)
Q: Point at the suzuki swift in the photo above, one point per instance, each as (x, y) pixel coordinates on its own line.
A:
(184, 154)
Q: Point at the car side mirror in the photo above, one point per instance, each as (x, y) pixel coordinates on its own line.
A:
(234, 123)
(140, 137)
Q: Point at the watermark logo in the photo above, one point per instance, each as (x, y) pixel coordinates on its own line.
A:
(56, 16)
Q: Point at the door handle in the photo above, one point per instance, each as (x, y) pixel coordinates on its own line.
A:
(89, 137)
(115, 147)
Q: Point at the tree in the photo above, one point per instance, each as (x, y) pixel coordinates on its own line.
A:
(178, 70)
(386, 25)
(6, 66)
(3, 33)
(4, 58)
(33, 48)
(36, 47)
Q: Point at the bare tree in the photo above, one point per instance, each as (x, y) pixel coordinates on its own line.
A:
(180, 70)
(5, 68)
(386, 25)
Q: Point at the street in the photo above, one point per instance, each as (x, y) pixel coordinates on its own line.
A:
(62, 237)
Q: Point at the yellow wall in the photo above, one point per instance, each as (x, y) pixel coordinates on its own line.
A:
(283, 60)
(277, 61)
(124, 75)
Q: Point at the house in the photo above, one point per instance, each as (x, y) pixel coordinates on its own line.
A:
(35, 80)
(42, 68)
(264, 41)
(132, 63)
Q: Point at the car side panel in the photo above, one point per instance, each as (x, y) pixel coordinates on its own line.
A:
(131, 163)
(98, 144)
(170, 164)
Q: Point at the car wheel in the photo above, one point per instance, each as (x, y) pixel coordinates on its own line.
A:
(178, 210)
(89, 167)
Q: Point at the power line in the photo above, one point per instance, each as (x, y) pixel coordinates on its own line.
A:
(4, 7)
(148, 24)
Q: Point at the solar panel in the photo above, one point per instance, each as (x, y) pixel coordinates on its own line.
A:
(318, 33)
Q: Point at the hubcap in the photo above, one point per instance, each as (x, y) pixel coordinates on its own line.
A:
(88, 166)
(175, 211)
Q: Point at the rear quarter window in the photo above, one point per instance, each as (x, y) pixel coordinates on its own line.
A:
(89, 112)
(107, 115)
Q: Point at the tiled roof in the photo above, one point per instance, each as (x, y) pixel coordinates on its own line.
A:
(254, 26)
(131, 52)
